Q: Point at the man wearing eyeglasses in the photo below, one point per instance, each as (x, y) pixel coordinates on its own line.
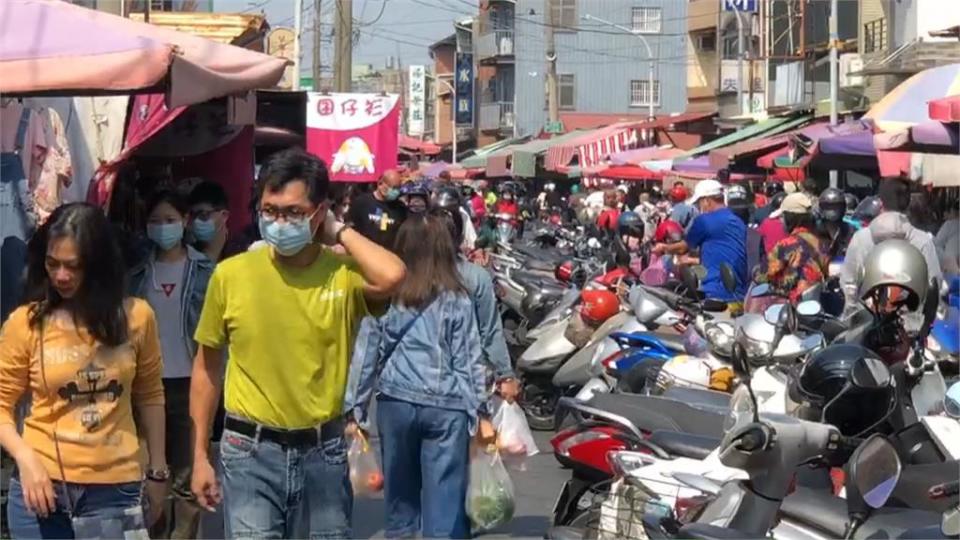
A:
(287, 315)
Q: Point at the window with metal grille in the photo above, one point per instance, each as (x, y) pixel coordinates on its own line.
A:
(566, 96)
(646, 20)
(640, 93)
(564, 14)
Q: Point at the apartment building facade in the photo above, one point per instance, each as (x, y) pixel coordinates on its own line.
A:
(602, 61)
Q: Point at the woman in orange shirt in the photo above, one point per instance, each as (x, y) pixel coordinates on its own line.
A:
(90, 360)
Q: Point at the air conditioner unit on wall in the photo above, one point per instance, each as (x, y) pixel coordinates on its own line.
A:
(850, 63)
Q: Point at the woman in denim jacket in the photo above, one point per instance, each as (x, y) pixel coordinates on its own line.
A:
(423, 361)
(173, 280)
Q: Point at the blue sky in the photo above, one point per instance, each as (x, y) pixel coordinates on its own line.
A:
(399, 28)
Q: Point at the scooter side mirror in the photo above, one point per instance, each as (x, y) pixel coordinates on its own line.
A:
(809, 308)
(869, 373)
(689, 279)
(930, 304)
(951, 401)
(876, 469)
(728, 277)
(738, 361)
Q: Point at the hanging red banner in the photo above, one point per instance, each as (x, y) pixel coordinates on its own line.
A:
(355, 134)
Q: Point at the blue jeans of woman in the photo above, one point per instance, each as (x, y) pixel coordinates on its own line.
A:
(425, 454)
(100, 510)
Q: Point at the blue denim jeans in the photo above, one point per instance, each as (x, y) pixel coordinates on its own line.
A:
(425, 454)
(271, 491)
(103, 510)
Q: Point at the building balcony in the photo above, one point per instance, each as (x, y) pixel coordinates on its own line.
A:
(496, 116)
(495, 46)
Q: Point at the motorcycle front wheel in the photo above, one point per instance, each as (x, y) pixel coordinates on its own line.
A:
(539, 402)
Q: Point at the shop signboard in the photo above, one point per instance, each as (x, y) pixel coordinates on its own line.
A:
(417, 96)
(464, 88)
(740, 5)
(355, 134)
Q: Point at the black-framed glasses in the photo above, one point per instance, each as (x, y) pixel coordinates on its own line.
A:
(290, 214)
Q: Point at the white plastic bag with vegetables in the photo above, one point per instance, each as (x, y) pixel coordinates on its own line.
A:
(514, 439)
(490, 501)
(365, 475)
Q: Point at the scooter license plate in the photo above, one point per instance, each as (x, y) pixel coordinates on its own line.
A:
(563, 500)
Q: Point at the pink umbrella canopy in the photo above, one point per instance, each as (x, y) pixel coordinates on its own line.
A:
(50, 46)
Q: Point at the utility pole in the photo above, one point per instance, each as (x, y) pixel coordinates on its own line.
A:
(297, 31)
(344, 34)
(317, 38)
(834, 61)
(736, 9)
(553, 105)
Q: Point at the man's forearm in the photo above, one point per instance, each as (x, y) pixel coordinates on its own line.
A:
(676, 248)
(204, 395)
(153, 422)
(381, 269)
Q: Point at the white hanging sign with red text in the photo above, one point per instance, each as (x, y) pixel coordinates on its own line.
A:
(355, 134)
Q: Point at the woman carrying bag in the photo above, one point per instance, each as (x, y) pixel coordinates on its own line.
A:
(423, 361)
(89, 358)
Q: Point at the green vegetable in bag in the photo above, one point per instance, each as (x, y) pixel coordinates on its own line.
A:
(490, 501)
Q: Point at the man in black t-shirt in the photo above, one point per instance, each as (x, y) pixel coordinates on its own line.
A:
(379, 214)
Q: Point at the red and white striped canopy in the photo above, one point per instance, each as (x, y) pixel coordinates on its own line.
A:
(593, 147)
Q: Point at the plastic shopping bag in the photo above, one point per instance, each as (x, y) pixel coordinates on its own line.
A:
(514, 440)
(490, 501)
(365, 475)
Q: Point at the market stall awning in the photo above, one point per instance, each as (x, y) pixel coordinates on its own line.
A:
(801, 142)
(524, 159)
(591, 147)
(770, 126)
(929, 138)
(478, 157)
(427, 148)
(945, 109)
(630, 172)
(908, 103)
(433, 170)
(49, 46)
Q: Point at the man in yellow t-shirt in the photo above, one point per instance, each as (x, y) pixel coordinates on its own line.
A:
(287, 316)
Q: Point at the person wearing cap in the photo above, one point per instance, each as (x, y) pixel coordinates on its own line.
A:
(681, 212)
(720, 236)
(795, 263)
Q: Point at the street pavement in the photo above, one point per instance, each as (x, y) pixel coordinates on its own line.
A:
(536, 489)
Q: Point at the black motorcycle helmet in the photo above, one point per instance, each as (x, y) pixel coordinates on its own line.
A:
(777, 200)
(851, 201)
(630, 224)
(832, 205)
(446, 197)
(773, 189)
(868, 209)
(822, 391)
(739, 202)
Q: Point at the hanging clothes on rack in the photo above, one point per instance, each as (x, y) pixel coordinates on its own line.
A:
(21, 156)
(56, 172)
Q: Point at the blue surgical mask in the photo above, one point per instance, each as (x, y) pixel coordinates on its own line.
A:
(165, 235)
(392, 194)
(288, 238)
(203, 229)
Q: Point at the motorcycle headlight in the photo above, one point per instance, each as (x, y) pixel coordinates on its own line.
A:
(720, 335)
(754, 348)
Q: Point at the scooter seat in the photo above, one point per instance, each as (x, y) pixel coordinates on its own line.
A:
(699, 397)
(827, 513)
(703, 531)
(653, 413)
(672, 341)
(527, 277)
(684, 444)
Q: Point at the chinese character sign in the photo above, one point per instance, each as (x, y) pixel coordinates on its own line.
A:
(416, 95)
(355, 134)
(464, 86)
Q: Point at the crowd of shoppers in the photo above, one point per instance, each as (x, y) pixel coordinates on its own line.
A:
(351, 298)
